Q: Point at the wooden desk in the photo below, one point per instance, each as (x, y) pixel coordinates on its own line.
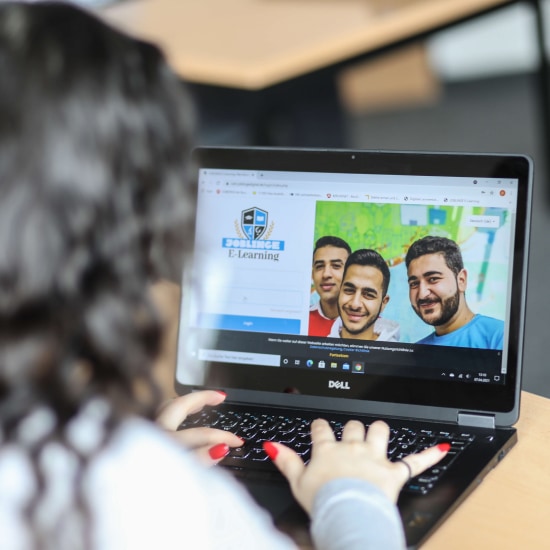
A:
(511, 507)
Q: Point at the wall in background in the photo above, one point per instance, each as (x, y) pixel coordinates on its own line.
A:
(503, 42)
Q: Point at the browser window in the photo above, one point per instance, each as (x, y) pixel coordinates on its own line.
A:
(253, 266)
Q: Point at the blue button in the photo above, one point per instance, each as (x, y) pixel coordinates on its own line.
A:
(249, 324)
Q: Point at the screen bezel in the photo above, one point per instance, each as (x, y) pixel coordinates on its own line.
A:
(391, 389)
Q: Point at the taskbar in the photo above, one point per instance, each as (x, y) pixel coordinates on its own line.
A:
(353, 366)
(362, 367)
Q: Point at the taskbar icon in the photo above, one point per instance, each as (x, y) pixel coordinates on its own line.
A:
(356, 367)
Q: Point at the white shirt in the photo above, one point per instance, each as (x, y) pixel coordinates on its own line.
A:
(385, 329)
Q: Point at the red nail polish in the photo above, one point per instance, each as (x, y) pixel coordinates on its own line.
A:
(270, 450)
(218, 451)
(222, 392)
(444, 447)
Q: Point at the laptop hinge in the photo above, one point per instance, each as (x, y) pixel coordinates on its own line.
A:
(476, 420)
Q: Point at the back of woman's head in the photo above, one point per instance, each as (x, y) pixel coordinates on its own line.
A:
(94, 203)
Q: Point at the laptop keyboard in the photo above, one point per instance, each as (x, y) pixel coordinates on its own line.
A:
(250, 460)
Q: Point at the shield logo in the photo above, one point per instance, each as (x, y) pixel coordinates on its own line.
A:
(254, 222)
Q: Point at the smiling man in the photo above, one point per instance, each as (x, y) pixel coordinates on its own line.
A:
(329, 257)
(437, 291)
(362, 298)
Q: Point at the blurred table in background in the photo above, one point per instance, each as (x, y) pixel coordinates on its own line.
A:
(255, 44)
(273, 64)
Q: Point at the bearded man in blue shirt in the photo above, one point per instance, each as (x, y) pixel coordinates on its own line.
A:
(437, 286)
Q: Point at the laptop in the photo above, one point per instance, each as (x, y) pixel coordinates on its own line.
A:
(249, 295)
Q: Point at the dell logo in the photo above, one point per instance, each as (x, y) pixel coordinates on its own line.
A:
(339, 384)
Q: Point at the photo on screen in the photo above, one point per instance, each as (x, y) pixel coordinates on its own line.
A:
(483, 235)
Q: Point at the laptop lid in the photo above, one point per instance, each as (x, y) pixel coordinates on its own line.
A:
(248, 294)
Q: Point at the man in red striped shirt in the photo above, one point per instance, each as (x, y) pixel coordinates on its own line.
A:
(329, 257)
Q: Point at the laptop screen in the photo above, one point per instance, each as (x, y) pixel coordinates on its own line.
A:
(362, 276)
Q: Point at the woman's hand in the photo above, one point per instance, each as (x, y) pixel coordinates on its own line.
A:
(210, 444)
(355, 456)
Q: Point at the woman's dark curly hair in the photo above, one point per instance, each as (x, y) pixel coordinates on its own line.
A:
(95, 203)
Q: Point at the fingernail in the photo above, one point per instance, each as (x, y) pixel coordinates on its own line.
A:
(444, 447)
(222, 393)
(218, 451)
(270, 450)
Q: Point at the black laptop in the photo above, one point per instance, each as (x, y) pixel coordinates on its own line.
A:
(248, 300)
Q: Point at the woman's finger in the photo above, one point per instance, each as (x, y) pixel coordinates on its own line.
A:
(353, 431)
(321, 431)
(212, 454)
(377, 438)
(419, 462)
(287, 461)
(194, 438)
(174, 412)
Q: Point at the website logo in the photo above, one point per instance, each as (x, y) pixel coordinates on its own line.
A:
(252, 240)
(254, 222)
